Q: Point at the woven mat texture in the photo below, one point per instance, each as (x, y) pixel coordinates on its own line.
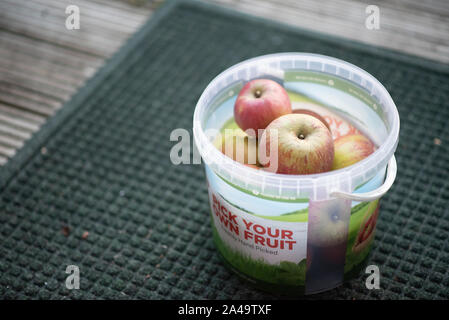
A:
(102, 166)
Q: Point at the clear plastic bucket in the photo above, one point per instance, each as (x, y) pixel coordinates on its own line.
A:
(298, 234)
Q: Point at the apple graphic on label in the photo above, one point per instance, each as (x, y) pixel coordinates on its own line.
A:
(367, 228)
(304, 145)
(259, 102)
(312, 113)
(351, 149)
(239, 146)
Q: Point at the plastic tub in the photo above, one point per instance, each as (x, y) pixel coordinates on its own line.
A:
(297, 234)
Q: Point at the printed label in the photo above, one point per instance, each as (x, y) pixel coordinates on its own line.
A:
(257, 238)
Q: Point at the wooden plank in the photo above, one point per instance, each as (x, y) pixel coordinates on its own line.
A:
(25, 104)
(7, 151)
(33, 96)
(145, 8)
(55, 19)
(19, 123)
(48, 73)
(89, 11)
(11, 142)
(433, 7)
(22, 114)
(10, 131)
(96, 45)
(51, 88)
(45, 50)
(3, 160)
(50, 64)
(113, 9)
(58, 16)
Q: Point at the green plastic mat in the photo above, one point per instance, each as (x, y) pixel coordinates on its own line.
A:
(95, 187)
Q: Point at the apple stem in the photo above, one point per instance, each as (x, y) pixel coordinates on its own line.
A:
(258, 93)
(301, 136)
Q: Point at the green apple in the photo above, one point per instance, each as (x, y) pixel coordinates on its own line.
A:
(238, 145)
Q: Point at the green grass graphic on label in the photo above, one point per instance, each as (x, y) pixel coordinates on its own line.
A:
(295, 216)
(287, 273)
(290, 273)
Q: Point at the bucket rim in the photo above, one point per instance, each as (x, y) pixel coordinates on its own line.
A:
(316, 186)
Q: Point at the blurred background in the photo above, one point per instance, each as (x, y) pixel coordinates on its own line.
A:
(42, 63)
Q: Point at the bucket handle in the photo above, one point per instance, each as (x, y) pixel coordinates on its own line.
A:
(377, 193)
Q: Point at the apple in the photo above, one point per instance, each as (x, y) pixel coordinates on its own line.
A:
(304, 145)
(259, 102)
(367, 228)
(239, 146)
(350, 149)
(312, 113)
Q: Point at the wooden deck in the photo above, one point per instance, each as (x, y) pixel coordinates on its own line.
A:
(42, 63)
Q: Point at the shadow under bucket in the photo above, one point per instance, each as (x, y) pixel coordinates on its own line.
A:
(299, 234)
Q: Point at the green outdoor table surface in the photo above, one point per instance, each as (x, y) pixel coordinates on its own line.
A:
(102, 166)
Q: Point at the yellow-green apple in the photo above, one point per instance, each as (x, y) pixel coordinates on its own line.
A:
(238, 145)
(303, 145)
(350, 149)
(259, 102)
(312, 113)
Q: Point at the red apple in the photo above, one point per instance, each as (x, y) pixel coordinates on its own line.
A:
(259, 102)
(350, 149)
(304, 145)
(312, 113)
